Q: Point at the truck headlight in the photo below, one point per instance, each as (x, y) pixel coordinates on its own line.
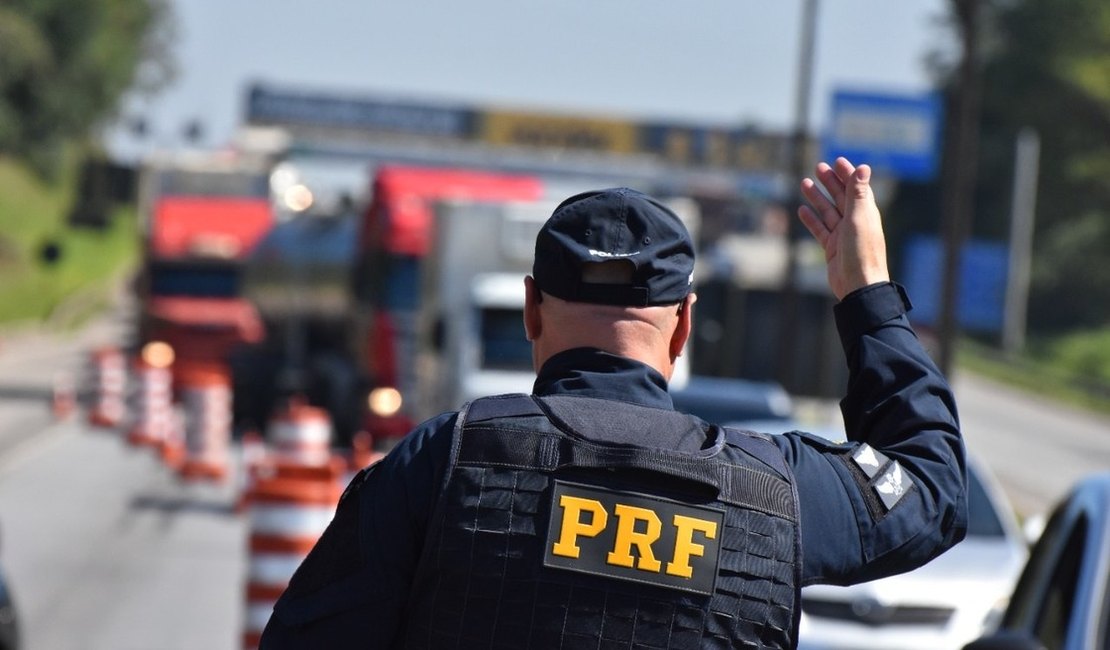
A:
(298, 198)
(385, 401)
(157, 354)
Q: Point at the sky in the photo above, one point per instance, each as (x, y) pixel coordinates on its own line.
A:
(712, 62)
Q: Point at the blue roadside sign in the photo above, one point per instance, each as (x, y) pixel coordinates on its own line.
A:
(898, 135)
(982, 282)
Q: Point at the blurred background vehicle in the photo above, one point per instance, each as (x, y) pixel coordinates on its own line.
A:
(941, 605)
(734, 401)
(1062, 600)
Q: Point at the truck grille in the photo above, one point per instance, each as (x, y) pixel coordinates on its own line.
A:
(873, 613)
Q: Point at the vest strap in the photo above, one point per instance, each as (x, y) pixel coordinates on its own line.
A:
(519, 449)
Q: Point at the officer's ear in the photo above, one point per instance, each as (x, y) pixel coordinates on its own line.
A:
(533, 324)
(684, 326)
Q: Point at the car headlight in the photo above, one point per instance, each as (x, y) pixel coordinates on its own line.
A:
(994, 617)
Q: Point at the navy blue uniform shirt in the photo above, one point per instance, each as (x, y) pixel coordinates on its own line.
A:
(889, 499)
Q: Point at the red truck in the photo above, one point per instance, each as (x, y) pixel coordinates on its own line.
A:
(339, 296)
(398, 234)
(200, 212)
(188, 290)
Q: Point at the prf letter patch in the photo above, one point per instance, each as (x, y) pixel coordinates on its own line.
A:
(634, 537)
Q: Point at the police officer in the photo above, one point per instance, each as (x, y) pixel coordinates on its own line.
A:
(590, 514)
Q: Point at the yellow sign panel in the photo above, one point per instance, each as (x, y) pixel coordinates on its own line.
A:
(534, 130)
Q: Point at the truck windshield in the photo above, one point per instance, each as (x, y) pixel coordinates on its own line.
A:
(196, 281)
(504, 346)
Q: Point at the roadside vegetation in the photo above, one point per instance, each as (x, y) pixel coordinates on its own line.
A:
(64, 68)
(51, 274)
(1074, 369)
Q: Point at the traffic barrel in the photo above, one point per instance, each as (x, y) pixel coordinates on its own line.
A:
(300, 434)
(253, 456)
(109, 378)
(287, 512)
(172, 447)
(206, 399)
(152, 404)
(63, 400)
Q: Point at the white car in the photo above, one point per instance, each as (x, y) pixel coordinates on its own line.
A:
(944, 604)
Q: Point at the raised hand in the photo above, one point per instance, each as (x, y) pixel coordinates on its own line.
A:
(847, 224)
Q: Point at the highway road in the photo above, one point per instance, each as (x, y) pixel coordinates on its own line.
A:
(105, 548)
(1037, 448)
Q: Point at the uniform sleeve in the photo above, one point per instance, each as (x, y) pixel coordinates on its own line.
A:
(894, 496)
(350, 590)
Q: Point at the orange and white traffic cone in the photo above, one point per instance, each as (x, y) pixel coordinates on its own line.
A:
(300, 434)
(206, 398)
(172, 447)
(109, 377)
(253, 456)
(153, 405)
(286, 515)
(63, 401)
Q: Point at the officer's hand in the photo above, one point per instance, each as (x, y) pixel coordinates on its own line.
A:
(848, 226)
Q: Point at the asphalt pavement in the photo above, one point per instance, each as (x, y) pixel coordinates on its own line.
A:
(102, 545)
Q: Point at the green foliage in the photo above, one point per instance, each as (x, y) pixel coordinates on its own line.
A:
(64, 66)
(32, 214)
(1046, 66)
(1058, 369)
(1050, 70)
(1085, 355)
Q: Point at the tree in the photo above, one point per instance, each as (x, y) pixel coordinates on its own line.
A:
(65, 65)
(1045, 65)
(1051, 71)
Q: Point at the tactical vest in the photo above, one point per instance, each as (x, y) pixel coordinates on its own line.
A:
(544, 538)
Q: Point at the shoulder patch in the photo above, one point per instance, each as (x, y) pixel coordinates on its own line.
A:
(892, 485)
(869, 460)
(883, 482)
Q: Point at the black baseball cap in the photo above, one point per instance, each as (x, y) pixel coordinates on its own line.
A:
(615, 224)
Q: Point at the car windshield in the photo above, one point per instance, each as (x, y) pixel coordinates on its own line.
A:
(982, 518)
(504, 345)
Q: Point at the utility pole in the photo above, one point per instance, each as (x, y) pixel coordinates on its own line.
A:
(1022, 214)
(960, 179)
(790, 295)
